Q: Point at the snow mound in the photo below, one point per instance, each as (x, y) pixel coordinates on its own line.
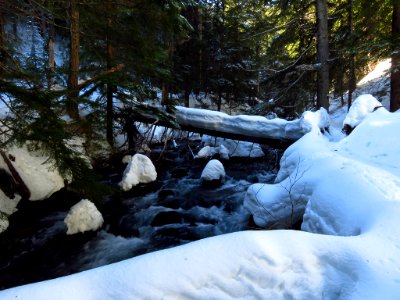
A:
(360, 108)
(140, 169)
(82, 217)
(214, 170)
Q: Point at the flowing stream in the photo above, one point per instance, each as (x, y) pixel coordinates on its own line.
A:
(174, 210)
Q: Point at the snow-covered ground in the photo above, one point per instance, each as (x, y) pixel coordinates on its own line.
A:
(349, 246)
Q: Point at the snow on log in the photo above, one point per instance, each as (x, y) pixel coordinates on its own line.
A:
(140, 169)
(83, 216)
(252, 126)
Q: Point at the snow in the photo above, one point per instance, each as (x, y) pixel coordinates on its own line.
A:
(214, 170)
(3, 222)
(350, 196)
(83, 216)
(347, 190)
(36, 171)
(206, 152)
(257, 126)
(361, 107)
(140, 169)
(227, 148)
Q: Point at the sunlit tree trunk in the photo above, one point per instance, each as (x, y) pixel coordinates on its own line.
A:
(395, 74)
(323, 54)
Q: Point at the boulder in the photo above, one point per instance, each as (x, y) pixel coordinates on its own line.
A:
(213, 174)
(83, 216)
(140, 169)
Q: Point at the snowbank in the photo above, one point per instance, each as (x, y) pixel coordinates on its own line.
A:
(83, 216)
(140, 169)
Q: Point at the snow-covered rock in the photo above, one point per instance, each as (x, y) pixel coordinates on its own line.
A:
(3, 222)
(223, 152)
(206, 152)
(140, 169)
(360, 108)
(83, 216)
(227, 148)
(213, 172)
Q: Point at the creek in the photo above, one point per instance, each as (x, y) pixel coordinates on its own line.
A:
(172, 211)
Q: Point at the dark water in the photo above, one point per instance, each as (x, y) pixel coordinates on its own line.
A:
(174, 210)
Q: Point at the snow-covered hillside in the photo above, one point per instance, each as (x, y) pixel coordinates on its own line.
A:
(348, 247)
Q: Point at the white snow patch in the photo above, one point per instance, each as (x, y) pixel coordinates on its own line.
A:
(83, 216)
(214, 170)
(140, 169)
(3, 222)
(36, 171)
(256, 126)
(361, 107)
(206, 152)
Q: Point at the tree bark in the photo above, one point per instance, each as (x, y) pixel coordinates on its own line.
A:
(50, 49)
(110, 86)
(352, 71)
(73, 92)
(322, 53)
(2, 40)
(395, 73)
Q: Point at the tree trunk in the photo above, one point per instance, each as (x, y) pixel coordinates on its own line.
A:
(50, 49)
(187, 95)
(395, 73)
(73, 92)
(2, 41)
(200, 29)
(323, 54)
(110, 86)
(352, 71)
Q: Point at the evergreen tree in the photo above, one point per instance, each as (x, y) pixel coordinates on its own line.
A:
(395, 73)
